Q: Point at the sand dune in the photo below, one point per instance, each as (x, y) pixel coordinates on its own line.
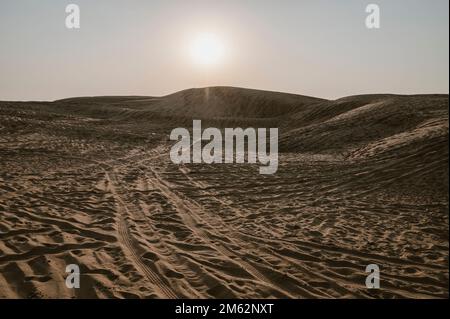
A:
(361, 180)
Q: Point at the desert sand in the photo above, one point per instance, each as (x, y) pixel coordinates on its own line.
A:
(361, 180)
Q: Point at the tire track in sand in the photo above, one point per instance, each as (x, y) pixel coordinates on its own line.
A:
(130, 246)
(190, 219)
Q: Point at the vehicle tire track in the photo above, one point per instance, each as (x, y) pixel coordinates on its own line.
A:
(130, 246)
(189, 217)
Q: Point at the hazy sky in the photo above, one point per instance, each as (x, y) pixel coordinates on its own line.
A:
(142, 47)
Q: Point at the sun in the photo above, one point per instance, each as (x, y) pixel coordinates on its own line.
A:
(207, 49)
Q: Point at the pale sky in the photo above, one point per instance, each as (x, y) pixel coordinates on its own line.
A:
(313, 47)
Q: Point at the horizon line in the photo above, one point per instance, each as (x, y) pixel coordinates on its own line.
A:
(217, 86)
